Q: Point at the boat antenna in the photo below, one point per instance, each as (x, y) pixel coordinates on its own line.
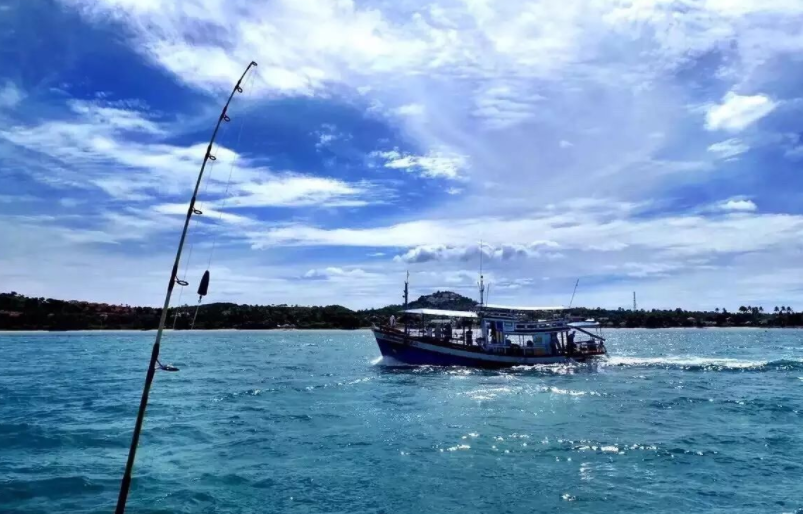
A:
(154, 362)
(575, 290)
(481, 283)
(406, 296)
(406, 289)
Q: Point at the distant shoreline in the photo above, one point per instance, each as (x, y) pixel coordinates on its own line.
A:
(22, 313)
(169, 330)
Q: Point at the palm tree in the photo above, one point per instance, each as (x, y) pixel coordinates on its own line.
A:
(789, 309)
(716, 310)
(776, 309)
(742, 308)
(761, 310)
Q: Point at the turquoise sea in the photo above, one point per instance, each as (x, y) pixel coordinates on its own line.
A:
(313, 422)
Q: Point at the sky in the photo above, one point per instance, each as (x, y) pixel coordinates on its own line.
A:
(636, 145)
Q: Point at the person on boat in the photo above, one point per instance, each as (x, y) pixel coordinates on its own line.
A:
(553, 343)
(438, 332)
(469, 337)
(448, 331)
(392, 321)
(570, 346)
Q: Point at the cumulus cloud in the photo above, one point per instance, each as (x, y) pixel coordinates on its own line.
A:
(737, 205)
(737, 112)
(427, 253)
(328, 134)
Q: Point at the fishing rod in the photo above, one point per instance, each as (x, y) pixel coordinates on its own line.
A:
(154, 362)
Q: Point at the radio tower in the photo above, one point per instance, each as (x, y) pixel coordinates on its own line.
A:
(635, 307)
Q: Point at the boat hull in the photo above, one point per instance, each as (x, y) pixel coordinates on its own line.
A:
(410, 350)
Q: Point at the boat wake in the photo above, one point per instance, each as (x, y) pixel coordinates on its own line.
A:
(697, 363)
(390, 362)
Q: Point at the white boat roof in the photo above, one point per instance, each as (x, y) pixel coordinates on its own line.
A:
(584, 324)
(441, 312)
(520, 308)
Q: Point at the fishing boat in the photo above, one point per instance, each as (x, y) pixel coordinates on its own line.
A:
(490, 336)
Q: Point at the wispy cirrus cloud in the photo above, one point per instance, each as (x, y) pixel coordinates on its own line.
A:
(729, 148)
(10, 95)
(447, 165)
(121, 151)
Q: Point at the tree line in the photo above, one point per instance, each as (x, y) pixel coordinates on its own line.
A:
(19, 312)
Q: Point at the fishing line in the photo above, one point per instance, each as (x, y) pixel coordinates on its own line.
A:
(204, 286)
(226, 194)
(183, 282)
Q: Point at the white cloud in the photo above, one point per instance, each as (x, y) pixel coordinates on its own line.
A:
(103, 142)
(445, 165)
(565, 144)
(737, 112)
(737, 205)
(675, 235)
(295, 190)
(410, 110)
(327, 135)
(426, 253)
(657, 269)
(325, 139)
(729, 148)
(333, 273)
(504, 105)
(10, 95)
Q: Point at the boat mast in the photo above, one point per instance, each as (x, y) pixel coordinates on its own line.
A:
(132, 452)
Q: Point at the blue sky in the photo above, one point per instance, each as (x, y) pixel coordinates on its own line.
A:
(651, 146)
